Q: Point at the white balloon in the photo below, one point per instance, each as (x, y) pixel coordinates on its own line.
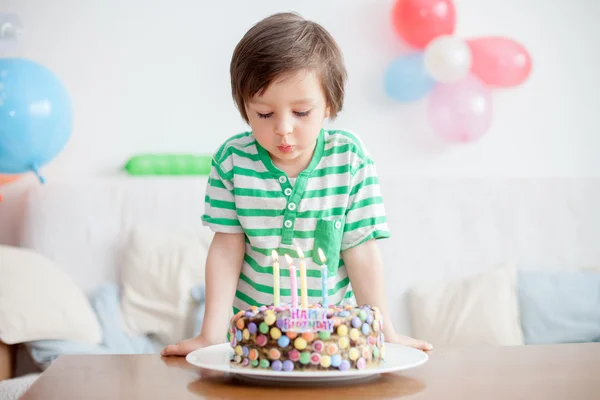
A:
(448, 59)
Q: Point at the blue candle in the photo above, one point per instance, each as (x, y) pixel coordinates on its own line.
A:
(324, 288)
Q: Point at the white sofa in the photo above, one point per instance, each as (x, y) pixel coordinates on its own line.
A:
(443, 229)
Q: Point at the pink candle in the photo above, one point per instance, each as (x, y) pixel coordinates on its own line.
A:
(293, 283)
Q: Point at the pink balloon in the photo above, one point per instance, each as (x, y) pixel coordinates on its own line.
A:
(460, 111)
(499, 61)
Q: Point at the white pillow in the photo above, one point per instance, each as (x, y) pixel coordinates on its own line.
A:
(39, 301)
(160, 269)
(480, 310)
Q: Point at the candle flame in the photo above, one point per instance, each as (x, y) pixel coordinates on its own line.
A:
(300, 252)
(289, 259)
(274, 255)
(322, 256)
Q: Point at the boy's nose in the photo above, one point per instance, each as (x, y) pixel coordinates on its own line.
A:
(283, 127)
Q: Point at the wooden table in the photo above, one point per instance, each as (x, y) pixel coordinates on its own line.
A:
(570, 371)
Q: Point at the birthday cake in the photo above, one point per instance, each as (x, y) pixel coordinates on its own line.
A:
(313, 338)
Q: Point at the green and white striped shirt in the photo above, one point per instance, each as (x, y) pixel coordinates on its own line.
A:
(334, 204)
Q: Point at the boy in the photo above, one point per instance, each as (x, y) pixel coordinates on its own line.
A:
(290, 184)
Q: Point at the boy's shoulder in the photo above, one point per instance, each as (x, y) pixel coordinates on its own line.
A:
(343, 138)
(243, 144)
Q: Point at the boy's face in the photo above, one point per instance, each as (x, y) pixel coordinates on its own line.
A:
(287, 118)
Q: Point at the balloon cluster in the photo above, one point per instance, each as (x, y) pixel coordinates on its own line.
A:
(457, 74)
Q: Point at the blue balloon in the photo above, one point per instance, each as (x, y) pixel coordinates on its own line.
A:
(406, 78)
(36, 116)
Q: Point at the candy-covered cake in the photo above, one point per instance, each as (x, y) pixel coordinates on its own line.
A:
(283, 338)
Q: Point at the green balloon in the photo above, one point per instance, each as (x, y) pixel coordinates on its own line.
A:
(169, 164)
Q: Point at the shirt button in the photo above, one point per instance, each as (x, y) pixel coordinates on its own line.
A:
(282, 179)
(292, 206)
(338, 224)
(287, 191)
(287, 224)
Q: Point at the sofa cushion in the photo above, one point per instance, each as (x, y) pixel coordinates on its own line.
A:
(39, 301)
(479, 310)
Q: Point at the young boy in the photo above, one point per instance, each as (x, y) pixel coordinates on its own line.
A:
(290, 184)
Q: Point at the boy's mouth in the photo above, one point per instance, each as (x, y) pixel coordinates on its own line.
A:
(285, 148)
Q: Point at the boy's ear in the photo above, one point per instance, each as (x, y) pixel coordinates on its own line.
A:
(327, 112)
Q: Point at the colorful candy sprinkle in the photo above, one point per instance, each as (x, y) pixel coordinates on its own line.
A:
(344, 365)
(366, 329)
(274, 354)
(304, 357)
(283, 341)
(325, 361)
(308, 336)
(264, 363)
(361, 363)
(270, 319)
(252, 328)
(354, 334)
(254, 363)
(336, 360)
(245, 362)
(343, 342)
(342, 330)
(332, 348)
(300, 343)
(245, 351)
(371, 340)
(277, 365)
(288, 366)
(263, 328)
(318, 346)
(369, 319)
(291, 335)
(356, 322)
(294, 355)
(366, 353)
(279, 323)
(362, 314)
(275, 333)
(240, 323)
(246, 334)
(324, 335)
(315, 359)
(353, 354)
(238, 335)
(253, 354)
(375, 352)
(238, 359)
(261, 340)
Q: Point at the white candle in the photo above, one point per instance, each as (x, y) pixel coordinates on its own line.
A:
(293, 282)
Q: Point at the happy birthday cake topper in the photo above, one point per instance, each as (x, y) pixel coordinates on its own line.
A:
(310, 320)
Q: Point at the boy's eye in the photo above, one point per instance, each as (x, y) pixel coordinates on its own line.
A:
(302, 113)
(264, 116)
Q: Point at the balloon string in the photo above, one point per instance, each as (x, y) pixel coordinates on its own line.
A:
(35, 170)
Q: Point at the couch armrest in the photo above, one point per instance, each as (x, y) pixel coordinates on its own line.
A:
(7, 361)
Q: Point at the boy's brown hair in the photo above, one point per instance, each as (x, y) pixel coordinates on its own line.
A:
(281, 44)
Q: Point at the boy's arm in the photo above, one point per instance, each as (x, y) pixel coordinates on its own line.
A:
(223, 266)
(365, 269)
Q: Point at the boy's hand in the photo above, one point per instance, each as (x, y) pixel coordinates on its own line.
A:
(185, 347)
(408, 341)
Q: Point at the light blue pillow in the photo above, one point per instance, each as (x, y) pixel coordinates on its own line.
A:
(106, 304)
(559, 307)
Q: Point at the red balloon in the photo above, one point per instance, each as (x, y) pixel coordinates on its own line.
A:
(499, 61)
(419, 21)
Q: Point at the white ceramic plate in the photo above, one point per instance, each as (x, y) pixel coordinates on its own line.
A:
(216, 358)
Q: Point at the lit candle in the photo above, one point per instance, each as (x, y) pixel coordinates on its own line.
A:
(303, 288)
(323, 277)
(293, 282)
(275, 278)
